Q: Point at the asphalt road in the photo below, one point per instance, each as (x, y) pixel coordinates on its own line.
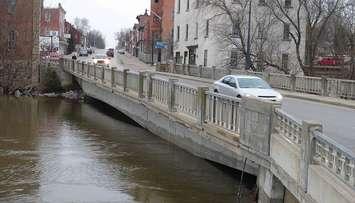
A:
(338, 122)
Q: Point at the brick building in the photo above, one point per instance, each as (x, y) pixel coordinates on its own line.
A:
(53, 28)
(144, 38)
(156, 27)
(75, 36)
(19, 43)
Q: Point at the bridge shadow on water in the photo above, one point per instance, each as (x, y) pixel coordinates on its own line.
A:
(248, 183)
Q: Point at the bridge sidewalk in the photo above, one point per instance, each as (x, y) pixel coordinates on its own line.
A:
(317, 98)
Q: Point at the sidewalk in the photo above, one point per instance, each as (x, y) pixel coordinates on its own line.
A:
(317, 98)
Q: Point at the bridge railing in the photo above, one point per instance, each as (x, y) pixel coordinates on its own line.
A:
(223, 111)
(332, 156)
(262, 127)
(330, 87)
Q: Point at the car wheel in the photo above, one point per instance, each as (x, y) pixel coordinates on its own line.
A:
(215, 91)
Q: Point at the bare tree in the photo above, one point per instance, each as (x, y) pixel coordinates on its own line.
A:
(307, 20)
(82, 24)
(247, 29)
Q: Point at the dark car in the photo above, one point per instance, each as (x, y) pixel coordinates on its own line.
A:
(110, 53)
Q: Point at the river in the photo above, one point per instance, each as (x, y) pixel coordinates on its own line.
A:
(53, 150)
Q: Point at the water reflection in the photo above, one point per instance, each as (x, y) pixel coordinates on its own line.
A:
(58, 151)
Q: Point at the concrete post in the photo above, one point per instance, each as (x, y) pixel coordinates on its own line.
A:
(201, 94)
(82, 67)
(140, 85)
(171, 95)
(213, 77)
(324, 82)
(95, 72)
(271, 189)
(77, 67)
(103, 75)
(307, 150)
(113, 70)
(150, 87)
(293, 82)
(125, 74)
(73, 66)
(88, 70)
(200, 71)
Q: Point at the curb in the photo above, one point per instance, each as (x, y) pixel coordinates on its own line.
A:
(320, 100)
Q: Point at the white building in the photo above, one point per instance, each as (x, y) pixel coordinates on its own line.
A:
(205, 35)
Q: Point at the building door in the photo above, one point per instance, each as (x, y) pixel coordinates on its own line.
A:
(192, 55)
(185, 56)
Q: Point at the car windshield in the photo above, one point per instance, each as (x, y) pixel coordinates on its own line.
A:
(253, 83)
(100, 57)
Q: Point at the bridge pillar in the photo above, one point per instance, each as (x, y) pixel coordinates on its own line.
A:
(125, 74)
(150, 87)
(113, 70)
(140, 84)
(171, 95)
(270, 188)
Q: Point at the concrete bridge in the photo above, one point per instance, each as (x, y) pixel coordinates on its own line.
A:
(292, 159)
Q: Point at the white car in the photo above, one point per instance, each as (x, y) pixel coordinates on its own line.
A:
(101, 59)
(246, 86)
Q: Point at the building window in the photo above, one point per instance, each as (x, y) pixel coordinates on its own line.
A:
(156, 1)
(178, 33)
(234, 58)
(286, 34)
(11, 6)
(178, 6)
(187, 32)
(285, 61)
(205, 56)
(12, 40)
(188, 5)
(196, 31)
(207, 27)
(288, 4)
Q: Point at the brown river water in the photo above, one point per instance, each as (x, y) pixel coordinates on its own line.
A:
(53, 150)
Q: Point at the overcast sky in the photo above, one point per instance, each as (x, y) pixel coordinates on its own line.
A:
(108, 16)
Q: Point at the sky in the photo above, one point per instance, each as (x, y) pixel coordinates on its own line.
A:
(108, 16)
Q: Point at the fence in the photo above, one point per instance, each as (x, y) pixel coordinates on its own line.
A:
(253, 121)
(330, 87)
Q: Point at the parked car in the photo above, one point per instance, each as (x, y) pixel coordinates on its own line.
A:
(83, 52)
(110, 53)
(101, 59)
(246, 86)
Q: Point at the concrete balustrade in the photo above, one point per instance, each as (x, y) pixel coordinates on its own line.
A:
(313, 85)
(289, 153)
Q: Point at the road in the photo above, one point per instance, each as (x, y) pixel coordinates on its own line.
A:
(338, 122)
(122, 61)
